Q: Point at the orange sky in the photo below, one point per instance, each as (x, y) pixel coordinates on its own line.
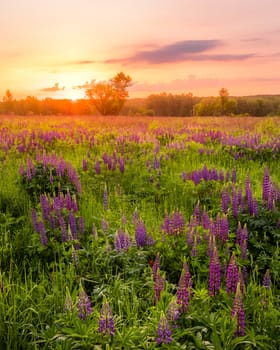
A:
(47, 48)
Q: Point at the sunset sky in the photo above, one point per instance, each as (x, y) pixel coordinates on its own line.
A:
(50, 47)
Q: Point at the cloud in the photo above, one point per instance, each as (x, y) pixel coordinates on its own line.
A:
(54, 88)
(180, 51)
(86, 85)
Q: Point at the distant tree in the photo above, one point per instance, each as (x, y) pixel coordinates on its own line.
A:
(224, 94)
(208, 106)
(8, 100)
(109, 97)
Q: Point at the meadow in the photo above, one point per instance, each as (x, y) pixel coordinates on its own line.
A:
(139, 233)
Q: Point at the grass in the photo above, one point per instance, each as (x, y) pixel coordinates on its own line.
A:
(35, 279)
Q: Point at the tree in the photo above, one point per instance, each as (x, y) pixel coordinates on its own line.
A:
(109, 97)
(224, 94)
(8, 100)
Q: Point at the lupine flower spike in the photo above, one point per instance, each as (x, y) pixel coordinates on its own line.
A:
(106, 320)
(84, 304)
(237, 313)
(163, 331)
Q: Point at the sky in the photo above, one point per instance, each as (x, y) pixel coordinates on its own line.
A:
(50, 48)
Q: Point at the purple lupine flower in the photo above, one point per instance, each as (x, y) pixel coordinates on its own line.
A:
(63, 229)
(221, 176)
(121, 164)
(241, 281)
(178, 223)
(237, 312)
(234, 203)
(266, 282)
(266, 185)
(227, 176)
(218, 224)
(196, 213)
(238, 233)
(255, 208)
(35, 220)
(240, 199)
(211, 244)
(214, 273)
(184, 289)
(232, 275)
(167, 224)
(173, 313)
(233, 175)
(205, 220)
(194, 251)
(43, 233)
(122, 241)
(225, 200)
(85, 165)
(135, 217)
(106, 320)
(163, 331)
(84, 304)
(104, 225)
(45, 207)
(97, 167)
(82, 225)
(243, 242)
(224, 229)
(205, 173)
(156, 265)
(158, 286)
(73, 226)
(140, 234)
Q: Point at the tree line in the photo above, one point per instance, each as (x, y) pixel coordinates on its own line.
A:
(111, 98)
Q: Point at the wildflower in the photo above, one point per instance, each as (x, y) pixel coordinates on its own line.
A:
(97, 167)
(158, 286)
(184, 286)
(225, 201)
(234, 203)
(85, 165)
(104, 225)
(82, 225)
(214, 273)
(173, 313)
(163, 331)
(122, 241)
(63, 229)
(244, 242)
(84, 304)
(43, 234)
(266, 279)
(156, 266)
(232, 275)
(106, 320)
(140, 234)
(224, 228)
(73, 226)
(233, 175)
(35, 220)
(237, 312)
(121, 165)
